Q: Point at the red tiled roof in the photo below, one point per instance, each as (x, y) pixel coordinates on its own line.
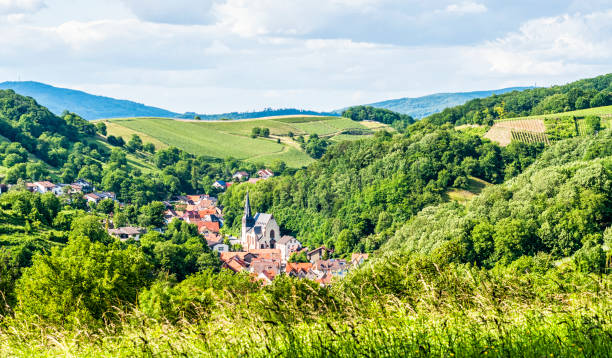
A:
(298, 266)
(267, 253)
(212, 226)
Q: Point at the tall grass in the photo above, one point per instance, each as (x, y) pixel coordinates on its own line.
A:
(455, 314)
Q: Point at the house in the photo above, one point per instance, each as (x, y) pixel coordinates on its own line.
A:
(287, 245)
(97, 197)
(215, 242)
(219, 184)
(266, 277)
(126, 233)
(259, 265)
(244, 256)
(82, 185)
(317, 254)
(207, 227)
(272, 254)
(325, 279)
(265, 173)
(299, 269)
(191, 216)
(358, 259)
(335, 267)
(45, 186)
(240, 175)
(260, 231)
(235, 264)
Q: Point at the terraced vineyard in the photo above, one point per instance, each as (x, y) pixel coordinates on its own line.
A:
(533, 129)
(524, 130)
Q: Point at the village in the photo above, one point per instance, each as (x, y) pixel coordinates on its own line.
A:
(261, 249)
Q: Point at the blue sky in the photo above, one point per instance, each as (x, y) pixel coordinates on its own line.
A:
(235, 55)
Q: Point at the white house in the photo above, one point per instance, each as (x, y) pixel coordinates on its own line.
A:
(288, 245)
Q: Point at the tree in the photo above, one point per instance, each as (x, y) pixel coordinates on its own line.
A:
(89, 226)
(149, 147)
(152, 214)
(101, 128)
(298, 257)
(255, 132)
(265, 132)
(134, 144)
(82, 282)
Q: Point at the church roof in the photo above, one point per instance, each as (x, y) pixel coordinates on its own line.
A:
(262, 219)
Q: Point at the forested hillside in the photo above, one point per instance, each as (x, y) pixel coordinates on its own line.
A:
(586, 93)
(361, 191)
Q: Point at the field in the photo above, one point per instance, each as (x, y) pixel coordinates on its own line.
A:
(232, 138)
(532, 129)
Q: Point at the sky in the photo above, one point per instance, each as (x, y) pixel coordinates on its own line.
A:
(213, 56)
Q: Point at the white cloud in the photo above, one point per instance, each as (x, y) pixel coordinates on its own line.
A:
(15, 7)
(553, 45)
(311, 54)
(466, 7)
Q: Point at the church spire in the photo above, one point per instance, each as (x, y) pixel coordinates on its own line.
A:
(247, 206)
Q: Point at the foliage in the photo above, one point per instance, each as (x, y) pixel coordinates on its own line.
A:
(592, 92)
(82, 282)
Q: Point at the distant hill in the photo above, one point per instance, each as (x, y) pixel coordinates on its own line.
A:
(93, 107)
(421, 107)
(84, 104)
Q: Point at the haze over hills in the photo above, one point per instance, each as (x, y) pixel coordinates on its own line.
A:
(424, 106)
(93, 107)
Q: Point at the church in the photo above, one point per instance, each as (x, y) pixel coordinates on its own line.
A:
(260, 231)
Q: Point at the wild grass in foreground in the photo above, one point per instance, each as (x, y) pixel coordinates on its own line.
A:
(451, 312)
(393, 332)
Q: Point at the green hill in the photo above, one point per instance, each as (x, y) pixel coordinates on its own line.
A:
(232, 138)
(582, 94)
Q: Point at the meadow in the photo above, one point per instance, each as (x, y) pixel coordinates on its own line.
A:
(232, 138)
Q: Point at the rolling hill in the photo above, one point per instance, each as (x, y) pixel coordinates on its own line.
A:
(93, 107)
(421, 107)
(222, 139)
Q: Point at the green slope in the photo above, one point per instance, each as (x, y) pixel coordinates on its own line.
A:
(222, 139)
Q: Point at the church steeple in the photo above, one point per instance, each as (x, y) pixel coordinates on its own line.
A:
(247, 207)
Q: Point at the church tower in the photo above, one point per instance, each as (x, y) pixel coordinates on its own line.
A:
(247, 218)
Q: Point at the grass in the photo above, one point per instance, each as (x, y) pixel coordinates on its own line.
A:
(490, 319)
(223, 139)
(475, 187)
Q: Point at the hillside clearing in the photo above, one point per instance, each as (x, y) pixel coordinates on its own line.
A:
(475, 187)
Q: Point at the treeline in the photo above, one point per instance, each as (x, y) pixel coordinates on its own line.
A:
(368, 113)
(586, 93)
(359, 192)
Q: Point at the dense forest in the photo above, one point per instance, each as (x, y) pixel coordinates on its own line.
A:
(586, 93)
(361, 191)
(522, 269)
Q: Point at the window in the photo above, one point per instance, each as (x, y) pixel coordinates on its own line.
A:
(272, 234)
